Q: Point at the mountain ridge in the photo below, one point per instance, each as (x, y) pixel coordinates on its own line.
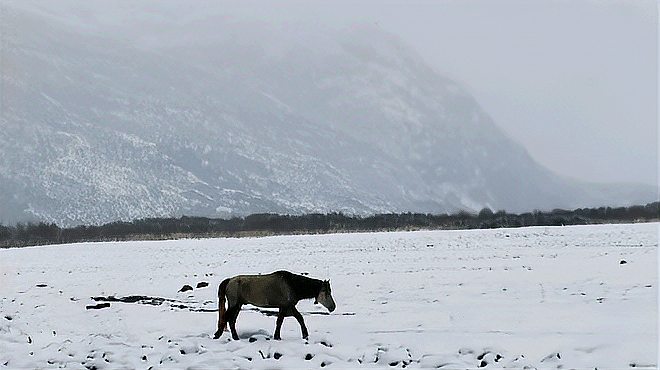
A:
(101, 129)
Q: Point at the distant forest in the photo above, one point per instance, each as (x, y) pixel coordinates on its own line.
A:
(30, 234)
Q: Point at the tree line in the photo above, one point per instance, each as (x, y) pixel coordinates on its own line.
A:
(27, 234)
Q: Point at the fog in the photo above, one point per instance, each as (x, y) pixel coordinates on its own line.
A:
(574, 82)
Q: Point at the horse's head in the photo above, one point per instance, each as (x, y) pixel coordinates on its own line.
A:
(325, 297)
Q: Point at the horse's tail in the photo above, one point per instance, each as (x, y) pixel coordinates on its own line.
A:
(222, 322)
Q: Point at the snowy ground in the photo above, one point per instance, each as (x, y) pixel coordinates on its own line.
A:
(545, 297)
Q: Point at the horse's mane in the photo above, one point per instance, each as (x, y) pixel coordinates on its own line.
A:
(303, 286)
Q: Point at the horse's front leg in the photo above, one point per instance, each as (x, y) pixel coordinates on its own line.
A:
(278, 325)
(299, 317)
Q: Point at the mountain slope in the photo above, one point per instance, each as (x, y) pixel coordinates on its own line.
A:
(215, 117)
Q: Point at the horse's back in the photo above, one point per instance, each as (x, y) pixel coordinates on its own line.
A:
(271, 290)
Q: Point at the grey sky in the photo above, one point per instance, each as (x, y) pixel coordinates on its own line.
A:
(573, 81)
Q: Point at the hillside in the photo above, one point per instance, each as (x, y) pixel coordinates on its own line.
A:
(216, 117)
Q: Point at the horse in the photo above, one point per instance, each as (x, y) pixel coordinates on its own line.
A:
(280, 289)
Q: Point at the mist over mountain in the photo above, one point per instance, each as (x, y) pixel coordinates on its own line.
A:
(177, 112)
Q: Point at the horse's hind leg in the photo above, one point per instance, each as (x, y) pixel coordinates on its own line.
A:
(299, 317)
(232, 314)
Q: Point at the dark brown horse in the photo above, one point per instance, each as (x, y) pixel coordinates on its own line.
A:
(280, 289)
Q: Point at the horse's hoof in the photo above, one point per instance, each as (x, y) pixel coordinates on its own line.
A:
(217, 335)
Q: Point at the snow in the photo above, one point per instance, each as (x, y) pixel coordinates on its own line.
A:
(544, 297)
(223, 209)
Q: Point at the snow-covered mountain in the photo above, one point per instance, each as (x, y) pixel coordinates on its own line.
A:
(201, 114)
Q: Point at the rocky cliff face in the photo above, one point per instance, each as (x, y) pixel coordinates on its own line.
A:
(213, 117)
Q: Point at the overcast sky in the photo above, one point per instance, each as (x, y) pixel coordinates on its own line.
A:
(573, 81)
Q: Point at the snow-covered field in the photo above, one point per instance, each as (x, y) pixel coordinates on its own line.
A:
(544, 297)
